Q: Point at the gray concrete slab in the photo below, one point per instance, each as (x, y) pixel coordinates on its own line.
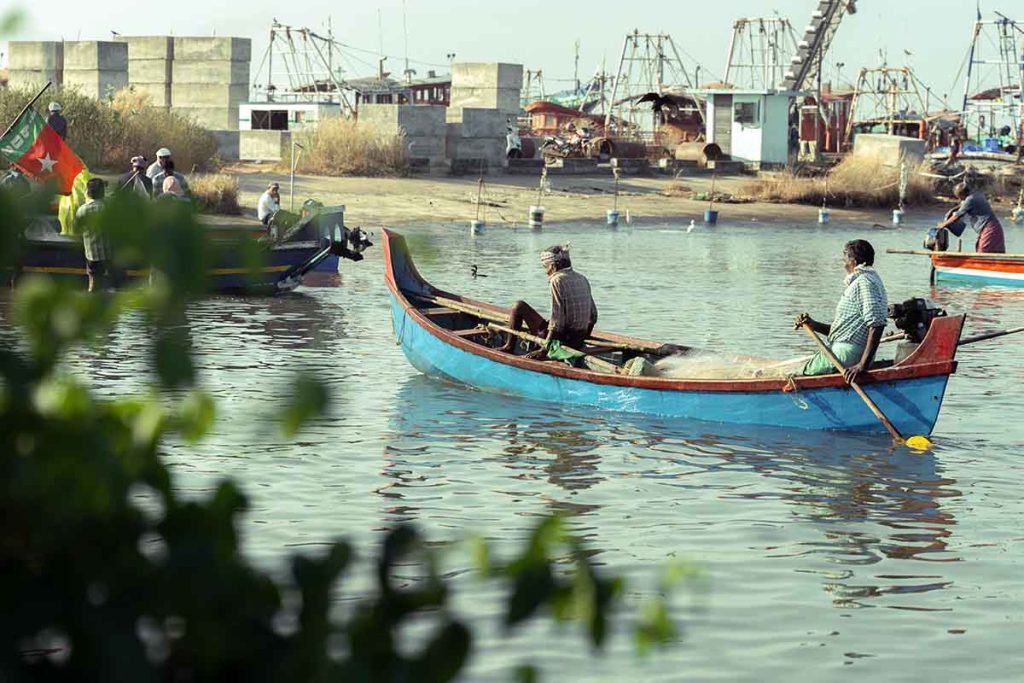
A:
(213, 48)
(264, 145)
(414, 120)
(95, 55)
(35, 55)
(228, 143)
(149, 71)
(890, 150)
(212, 118)
(148, 47)
(218, 71)
(208, 95)
(469, 122)
(34, 78)
(95, 83)
(487, 75)
(505, 99)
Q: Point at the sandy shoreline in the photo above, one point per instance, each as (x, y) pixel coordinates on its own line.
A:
(375, 202)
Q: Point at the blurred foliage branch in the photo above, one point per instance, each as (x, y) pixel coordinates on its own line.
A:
(109, 574)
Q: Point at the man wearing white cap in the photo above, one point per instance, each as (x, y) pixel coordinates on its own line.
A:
(162, 155)
(167, 171)
(57, 121)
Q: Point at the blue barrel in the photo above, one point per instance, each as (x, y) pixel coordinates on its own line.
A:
(710, 216)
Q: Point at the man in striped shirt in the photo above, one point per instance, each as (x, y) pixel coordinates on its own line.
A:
(860, 319)
(573, 311)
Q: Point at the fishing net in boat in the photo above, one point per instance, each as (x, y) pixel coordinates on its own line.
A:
(706, 365)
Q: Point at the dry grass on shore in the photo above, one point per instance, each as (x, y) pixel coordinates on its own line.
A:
(107, 134)
(854, 182)
(342, 147)
(216, 193)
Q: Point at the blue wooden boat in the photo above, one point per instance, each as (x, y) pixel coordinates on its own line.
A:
(452, 337)
(1005, 270)
(286, 258)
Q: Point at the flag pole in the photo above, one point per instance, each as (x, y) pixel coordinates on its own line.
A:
(25, 109)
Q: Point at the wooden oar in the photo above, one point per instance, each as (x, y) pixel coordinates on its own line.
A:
(916, 442)
(989, 335)
(592, 360)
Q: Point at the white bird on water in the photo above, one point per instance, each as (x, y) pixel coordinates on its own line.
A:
(693, 224)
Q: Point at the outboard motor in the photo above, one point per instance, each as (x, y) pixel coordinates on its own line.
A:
(914, 317)
(355, 243)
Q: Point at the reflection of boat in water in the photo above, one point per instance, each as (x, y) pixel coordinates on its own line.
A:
(453, 343)
(832, 507)
(280, 261)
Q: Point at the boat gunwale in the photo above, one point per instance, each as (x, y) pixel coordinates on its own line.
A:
(905, 370)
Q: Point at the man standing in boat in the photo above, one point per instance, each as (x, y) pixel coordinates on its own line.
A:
(573, 311)
(975, 211)
(860, 319)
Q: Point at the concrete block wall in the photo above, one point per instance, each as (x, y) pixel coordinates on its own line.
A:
(487, 86)
(149, 66)
(33, 63)
(98, 68)
(264, 145)
(423, 126)
(476, 136)
(210, 79)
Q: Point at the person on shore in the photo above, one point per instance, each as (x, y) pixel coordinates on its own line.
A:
(269, 204)
(57, 121)
(15, 182)
(573, 311)
(163, 155)
(860, 318)
(167, 171)
(171, 190)
(136, 180)
(97, 249)
(976, 212)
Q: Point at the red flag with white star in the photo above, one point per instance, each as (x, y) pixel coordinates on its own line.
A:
(39, 152)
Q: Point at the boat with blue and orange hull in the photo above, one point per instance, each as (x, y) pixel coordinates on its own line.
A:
(1006, 270)
(455, 338)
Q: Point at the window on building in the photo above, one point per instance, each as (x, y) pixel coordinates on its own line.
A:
(747, 113)
(269, 119)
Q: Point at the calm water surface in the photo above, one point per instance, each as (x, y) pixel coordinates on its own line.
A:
(828, 555)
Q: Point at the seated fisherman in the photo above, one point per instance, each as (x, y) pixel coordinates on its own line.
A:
(976, 212)
(860, 318)
(573, 311)
(269, 204)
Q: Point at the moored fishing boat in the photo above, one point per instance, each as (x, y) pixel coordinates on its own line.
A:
(972, 267)
(452, 337)
(283, 260)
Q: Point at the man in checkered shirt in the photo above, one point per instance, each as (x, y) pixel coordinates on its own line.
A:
(573, 311)
(860, 318)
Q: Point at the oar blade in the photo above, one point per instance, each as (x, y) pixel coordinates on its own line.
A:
(919, 443)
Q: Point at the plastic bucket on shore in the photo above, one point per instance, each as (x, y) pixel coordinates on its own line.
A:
(710, 216)
(613, 218)
(824, 216)
(536, 217)
(897, 216)
(476, 227)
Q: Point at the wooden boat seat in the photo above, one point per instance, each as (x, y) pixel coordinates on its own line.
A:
(438, 311)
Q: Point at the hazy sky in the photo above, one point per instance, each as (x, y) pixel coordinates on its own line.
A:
(540, 35)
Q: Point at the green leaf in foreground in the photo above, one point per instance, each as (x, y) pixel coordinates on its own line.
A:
(309, 400)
